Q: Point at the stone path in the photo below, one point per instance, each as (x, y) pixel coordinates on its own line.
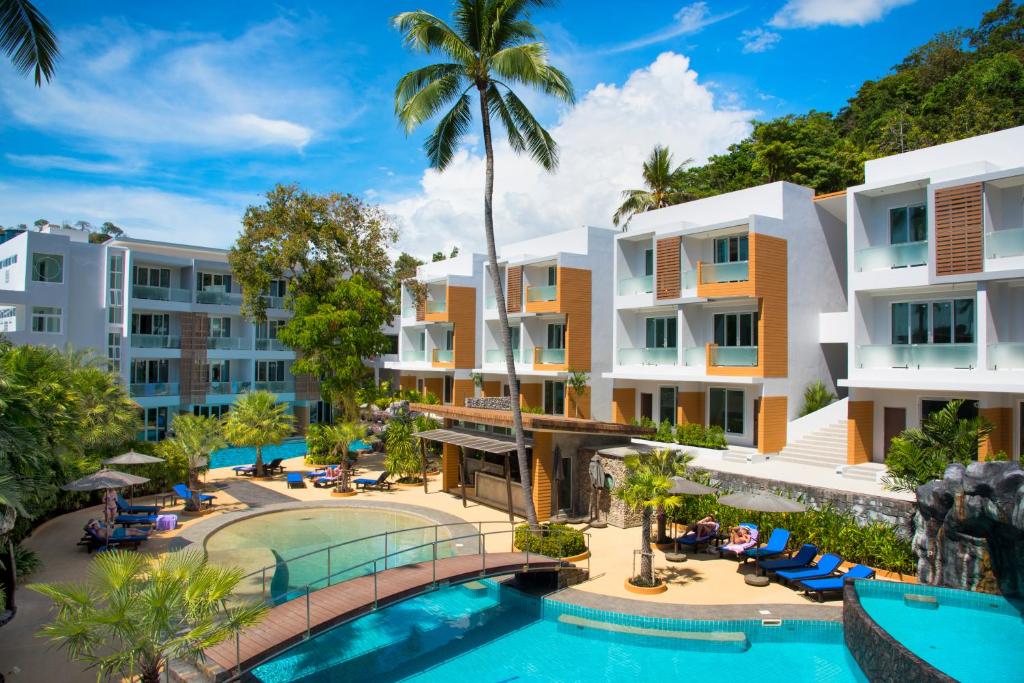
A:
(254, 495)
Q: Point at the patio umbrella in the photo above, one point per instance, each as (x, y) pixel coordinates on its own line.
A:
(762, 502)
(681, 486)
(132, 458)
(596, 471)
(104, 479)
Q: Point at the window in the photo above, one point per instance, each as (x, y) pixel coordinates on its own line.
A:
(552, 276)
(220, 371)
(421, 342)
(667, 404)
(47, 268)
(46, 319)
(556, 336)
(213, 282)
(151, 323)
(8, 319)
(735, 329)
(513, 337)
(268, 329)
(392, 343)
(149, 371)
(270, 371)
(908, 224)
(729, 249)
(277, 288)
(115, 287)
(211, 411)
(968, 409)
(151, 277)
(933, 322)
(220, 327)
(648, 262)
(113, 350)
(661, 333)
(554, 397)
(449, 340)
(726, 410)
(154, 424)
(447, 389)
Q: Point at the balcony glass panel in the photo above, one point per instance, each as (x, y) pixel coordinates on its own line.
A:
(734, 356)
(437, 306)
(211, 296)
(545, 293)
(917, 356)
(282, 387)
(549, 356)
(227, 388)
(892, 256)
(270, 345)
(228, 343)
(498, 356)
(1004, 243)
(648, 356)
(412, 356)
(161, 293)
(444, 355)
(695, 356)
(490, 303)
(273, 301)
(1006, 356)
(636, 285)
(153, 389)
(155, 341)
(733, 271)
(689, 279)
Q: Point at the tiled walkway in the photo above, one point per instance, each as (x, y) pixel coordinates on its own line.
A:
(254, 495)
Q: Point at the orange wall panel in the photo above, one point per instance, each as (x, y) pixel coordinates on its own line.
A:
(542, 474)
(623, 405)
(462, 315)
(574, 296)
(407, 382)
(577, 406)
(531, 395)
(1001, 437)
(435, 386)
(860, 432)
(690, 407)
(771, 424)
(492, 389)
(461, 390)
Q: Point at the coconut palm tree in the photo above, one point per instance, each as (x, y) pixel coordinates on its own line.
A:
(27, 39)
(257, 420)
(645, 488)
(491, 47)
(668, 463)
(340, 436)
(136, 612)
(194, 438)
(662, 187)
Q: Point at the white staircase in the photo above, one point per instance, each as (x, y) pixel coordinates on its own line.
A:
(824, 447)
(867, 471)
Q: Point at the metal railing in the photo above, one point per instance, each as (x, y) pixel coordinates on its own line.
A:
(443, 356)
(228, 343)
(155, 341)
(151, 293)
(276, 387)
(887, 256)
(543, 356)
(731, 271)
(265, 344)
(273, 301)
(648, 356)
(643, 284)
(437, 306)
(144, 389)
(385, 561)
(213, 296)
(1002, 243)
(733, 356)
(542, 293)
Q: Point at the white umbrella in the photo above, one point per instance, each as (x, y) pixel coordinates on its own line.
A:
(681, 486)
(761, 501)
(104, 479)
(132, 458)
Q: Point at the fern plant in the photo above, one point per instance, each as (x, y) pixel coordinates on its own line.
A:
(816, 397)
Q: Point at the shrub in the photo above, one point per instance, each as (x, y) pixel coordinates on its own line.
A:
(402, 457)
(816, 397)
(25, 561)
(645, 422)
(694, 434)
(318, 447)
(535, 410)
(665, 433)
(553, 540)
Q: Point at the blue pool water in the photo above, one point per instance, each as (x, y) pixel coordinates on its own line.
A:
(969, 636)
(246, 455)
(482, 632)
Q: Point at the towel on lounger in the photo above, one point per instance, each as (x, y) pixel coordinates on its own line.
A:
(740, 547)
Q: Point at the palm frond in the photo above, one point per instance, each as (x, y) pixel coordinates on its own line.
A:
(496, 105)
(441, 144)
(424, 32)
(27, 38)
(539, 142)
(429, 100)
(634, 202)
(414, 81)
(527, 64)
(469, 21)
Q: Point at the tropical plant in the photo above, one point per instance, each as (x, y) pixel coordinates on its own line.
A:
(194, 438)
(918, 456)
(425, 423)
(816, 397)
(257, 420)
(668, 463)
(135, 612)
(402, 456)
(339, 437)
(661, 180)
(552, 540)
(28, 40)
(696, 434)
(644, 489)
(491, 47)
(577, 381)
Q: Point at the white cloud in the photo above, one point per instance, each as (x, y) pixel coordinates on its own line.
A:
(603, 142)
(48, 162)
(759, 40)
(689, 19)
(812, 13)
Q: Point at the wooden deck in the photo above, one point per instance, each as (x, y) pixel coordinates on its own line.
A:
(286, 624)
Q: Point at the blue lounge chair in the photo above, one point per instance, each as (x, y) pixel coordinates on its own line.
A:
(120, 538)
(691, 539)
(184, 493)
(737, 551)
(818, 587)
(776, 545)
(381, 483)
(826, 566)
(127, 508)
(132, 520)
(804, 559)
(295, 480)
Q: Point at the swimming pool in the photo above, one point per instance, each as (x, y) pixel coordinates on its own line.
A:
(483, 632)
(957, 632)
(290, 448)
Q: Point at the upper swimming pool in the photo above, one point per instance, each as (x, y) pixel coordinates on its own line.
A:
(246, 455)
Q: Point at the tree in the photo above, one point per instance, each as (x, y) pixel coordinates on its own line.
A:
(492, 46)
(40, 222)
(918, 456)
(27, 39)
(194, 438)
(339, 438)
(646, 487)
(109, 228)
(667, 463)
(257, 420)
(84, 226)
(405, 269)
(437, 256)
(816, 397)
(577, 381)
(662, 187)
(136, 612)
(402, 454)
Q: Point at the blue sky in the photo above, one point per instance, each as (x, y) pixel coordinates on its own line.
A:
(170, 118)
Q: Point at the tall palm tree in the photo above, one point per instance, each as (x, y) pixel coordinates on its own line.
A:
(645, 488)
(136, 612)
(491, 47)
(194, 438)
(340, 436)
(27, 39)
(662, 187)
(257, 420)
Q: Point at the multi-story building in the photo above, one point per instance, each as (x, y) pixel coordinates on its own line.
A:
(717, 311)
(166, 316)
(936, 291)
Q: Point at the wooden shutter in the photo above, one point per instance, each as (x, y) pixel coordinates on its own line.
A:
(514, 303)
(194, 375)
(668, 276)
(959, 241)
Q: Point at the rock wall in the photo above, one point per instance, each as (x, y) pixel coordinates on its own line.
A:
(970, 528)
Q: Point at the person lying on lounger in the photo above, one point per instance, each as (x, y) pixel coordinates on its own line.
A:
(739, 535)
(706, 526)
(104, 531)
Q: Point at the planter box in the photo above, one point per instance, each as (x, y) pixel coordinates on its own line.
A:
(692, 450)
(643, 590)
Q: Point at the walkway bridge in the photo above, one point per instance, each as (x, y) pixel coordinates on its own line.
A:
(343, 594)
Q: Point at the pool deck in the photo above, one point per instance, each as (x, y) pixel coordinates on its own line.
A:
(704, 587)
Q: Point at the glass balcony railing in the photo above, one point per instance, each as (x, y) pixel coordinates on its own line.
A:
(273, 301)
(1002, 243)
(689, 279)
(892, 256)
(161, 294)
(498, 356)
(414, 356)
(275, 387)
(636, 285)
(917, 356)
(409, 311)
(648, 356)
(548, 356)
(733, 271)
(270, 345)
(156, 341)
(437, 306)
(153, 389)
(228, 343)
(490, 303)
(228, 388)
(695, 356)
(212, 296)
(444, 356)
(734, 356)
(1006, 356)
(544, 293)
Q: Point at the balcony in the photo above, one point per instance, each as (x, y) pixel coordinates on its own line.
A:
(213, 296)
(491, 303)
(543, 293)
(1006, 356)
(273, 301)
(275, 387)
(497, 356)
(733, 356)
(636, 285)
(443, 356)
(161, 294)
(227, 388)
(437, 306)
(548, 356)
(689, 279)
(409, 311)
(733, 271)
(939, 356)
(153, 389)
(892, 256)
(1003, 243)
(270, 345)
(155, 341)
(694, 357)
(228, 343)
(648, 356)
(414, 356)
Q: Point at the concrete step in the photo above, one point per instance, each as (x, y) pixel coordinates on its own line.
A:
(811, 457)
(865, 472)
